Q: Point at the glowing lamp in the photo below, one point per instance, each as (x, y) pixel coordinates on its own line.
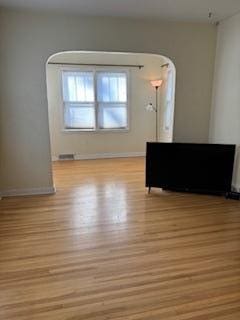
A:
(156, 83)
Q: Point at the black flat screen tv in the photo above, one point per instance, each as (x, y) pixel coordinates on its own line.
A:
(204, 168)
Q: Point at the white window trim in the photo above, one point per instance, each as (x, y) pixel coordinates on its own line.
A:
(94, 70)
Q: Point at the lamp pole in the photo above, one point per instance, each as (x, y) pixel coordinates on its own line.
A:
(156, 84)
(156, 113)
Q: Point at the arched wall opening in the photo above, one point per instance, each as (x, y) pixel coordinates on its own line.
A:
(77, 143)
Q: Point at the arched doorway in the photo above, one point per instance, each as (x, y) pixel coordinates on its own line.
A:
(83, 135)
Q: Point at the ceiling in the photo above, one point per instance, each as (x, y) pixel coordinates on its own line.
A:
(177, 10)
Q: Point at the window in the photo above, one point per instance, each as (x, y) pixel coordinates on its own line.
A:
(169, 101)
(95, 100)
(78, 96)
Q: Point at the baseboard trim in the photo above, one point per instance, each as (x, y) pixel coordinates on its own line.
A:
(104, 156)
(27, 192)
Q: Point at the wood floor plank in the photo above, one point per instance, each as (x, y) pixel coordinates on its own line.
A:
(102, 248)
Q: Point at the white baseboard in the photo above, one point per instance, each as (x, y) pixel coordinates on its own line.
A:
(105, 156)
(27, 192)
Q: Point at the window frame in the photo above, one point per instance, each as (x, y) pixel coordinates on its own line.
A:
(96, 103)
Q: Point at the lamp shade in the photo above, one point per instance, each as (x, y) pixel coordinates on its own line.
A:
(156, 83)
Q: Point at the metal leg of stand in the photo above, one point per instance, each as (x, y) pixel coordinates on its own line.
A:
(149, 190)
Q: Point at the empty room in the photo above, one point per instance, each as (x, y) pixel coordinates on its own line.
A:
(119, 160)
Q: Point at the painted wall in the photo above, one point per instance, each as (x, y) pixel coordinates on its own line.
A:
(225, 115)
(29, 39)
(141, 122)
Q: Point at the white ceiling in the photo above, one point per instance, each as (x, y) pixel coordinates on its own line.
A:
(181, 10)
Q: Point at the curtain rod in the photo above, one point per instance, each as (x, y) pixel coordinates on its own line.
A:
(165, 65)
(97, 65)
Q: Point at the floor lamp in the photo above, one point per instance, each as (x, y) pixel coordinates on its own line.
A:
(156, 84)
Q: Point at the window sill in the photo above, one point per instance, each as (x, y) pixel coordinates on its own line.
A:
(95, 130)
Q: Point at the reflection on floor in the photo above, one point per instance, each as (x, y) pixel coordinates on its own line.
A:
(102, 248)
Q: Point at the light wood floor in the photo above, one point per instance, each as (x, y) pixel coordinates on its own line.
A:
(102, 248)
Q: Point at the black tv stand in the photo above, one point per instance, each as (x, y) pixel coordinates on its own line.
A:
(233, 195)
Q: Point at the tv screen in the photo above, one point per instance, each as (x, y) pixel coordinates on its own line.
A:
(204, 168)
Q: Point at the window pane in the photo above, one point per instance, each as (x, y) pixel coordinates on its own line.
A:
(112, 116)
(79, 116)
(112, 86)
(170, 86)
(78, 86)
(169, 102)
(167, 116)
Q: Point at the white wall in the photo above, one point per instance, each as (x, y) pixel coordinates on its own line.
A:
(141, 122)
(29, 39)
(225, 115)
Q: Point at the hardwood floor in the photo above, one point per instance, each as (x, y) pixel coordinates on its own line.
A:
(102, 248)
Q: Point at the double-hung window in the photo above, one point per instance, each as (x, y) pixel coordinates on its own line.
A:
(95, 100)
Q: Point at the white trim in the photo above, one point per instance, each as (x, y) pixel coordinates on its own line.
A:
(104, 156)
(95, 130)
(28, 192)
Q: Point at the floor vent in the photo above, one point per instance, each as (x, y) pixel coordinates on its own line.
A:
(66, 157)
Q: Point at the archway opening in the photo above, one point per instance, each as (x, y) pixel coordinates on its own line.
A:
(98, 103)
